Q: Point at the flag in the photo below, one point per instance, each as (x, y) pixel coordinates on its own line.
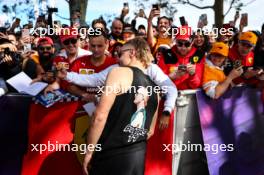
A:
(51, 126)
(159, 162)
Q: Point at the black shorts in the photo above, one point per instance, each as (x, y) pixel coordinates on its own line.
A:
(122, 163)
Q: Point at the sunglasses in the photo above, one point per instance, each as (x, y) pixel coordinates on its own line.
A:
(68, 41)
(245, 44)
(45, 48)
(123, 51)
(186, 44)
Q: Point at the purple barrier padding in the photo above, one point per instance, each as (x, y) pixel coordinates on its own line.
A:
(236, 118)
(13, 132)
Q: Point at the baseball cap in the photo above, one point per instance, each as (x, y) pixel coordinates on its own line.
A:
(68, 33)
(47, 39)
(248, 37)
(220, 48)
(184, 33)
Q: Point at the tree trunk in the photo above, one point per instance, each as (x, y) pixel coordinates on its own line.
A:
(80, 5)
(219, 12)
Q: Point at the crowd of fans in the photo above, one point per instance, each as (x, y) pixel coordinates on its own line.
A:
(191, 60)
(186, 60)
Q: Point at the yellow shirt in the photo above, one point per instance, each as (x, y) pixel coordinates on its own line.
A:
(212, 76)
(161, 41)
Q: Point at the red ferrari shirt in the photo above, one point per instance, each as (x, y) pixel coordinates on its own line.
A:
(187, 81)
(247, 61)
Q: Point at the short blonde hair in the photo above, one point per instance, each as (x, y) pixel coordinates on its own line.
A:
(142, 49)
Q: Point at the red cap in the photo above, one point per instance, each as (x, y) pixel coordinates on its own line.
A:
(47, 39)
(68, 33)
(184, 33)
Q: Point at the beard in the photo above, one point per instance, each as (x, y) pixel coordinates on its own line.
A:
(46, 61)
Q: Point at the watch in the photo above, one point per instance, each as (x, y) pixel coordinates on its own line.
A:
(166, 113)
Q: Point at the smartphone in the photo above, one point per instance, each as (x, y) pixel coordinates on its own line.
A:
(203, 19)
(182, 67)
(182, 20)
(125, 5)
(26, 34)
(156, 6)
(244, 19)
(237, 64)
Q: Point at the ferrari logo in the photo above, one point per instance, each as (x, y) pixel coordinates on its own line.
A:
(250, 60)
(195, 59)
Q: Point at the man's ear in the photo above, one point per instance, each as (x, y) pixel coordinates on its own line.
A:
(132, 53)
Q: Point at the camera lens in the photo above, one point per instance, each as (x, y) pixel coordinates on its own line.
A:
(7, 51)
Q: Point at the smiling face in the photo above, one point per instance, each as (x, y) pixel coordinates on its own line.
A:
(45, 49)
(71, 45)
(199, 40)
(163, 25)
(184, 47)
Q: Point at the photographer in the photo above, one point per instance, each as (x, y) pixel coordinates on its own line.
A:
(9, 58)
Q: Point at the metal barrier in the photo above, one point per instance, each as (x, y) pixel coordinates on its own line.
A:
(187, 128)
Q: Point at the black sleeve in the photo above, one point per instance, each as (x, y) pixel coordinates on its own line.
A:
(30, 68)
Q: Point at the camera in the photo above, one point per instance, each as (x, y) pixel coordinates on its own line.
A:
(237, 64)
(182, 67)
(15, 56)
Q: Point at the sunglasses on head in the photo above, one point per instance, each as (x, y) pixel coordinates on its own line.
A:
(186, 44)
(123, 51)
(68, 41)
(245, 44)
(48, 48)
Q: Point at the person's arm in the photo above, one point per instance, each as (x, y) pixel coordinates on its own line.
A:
(150, 35)
(214, 89)
(153, 122)
(196, 75)
(103, 108)
(92, 80)
(165, 83)
(75, 90)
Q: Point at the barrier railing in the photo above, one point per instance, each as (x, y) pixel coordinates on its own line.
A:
(192, 119)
